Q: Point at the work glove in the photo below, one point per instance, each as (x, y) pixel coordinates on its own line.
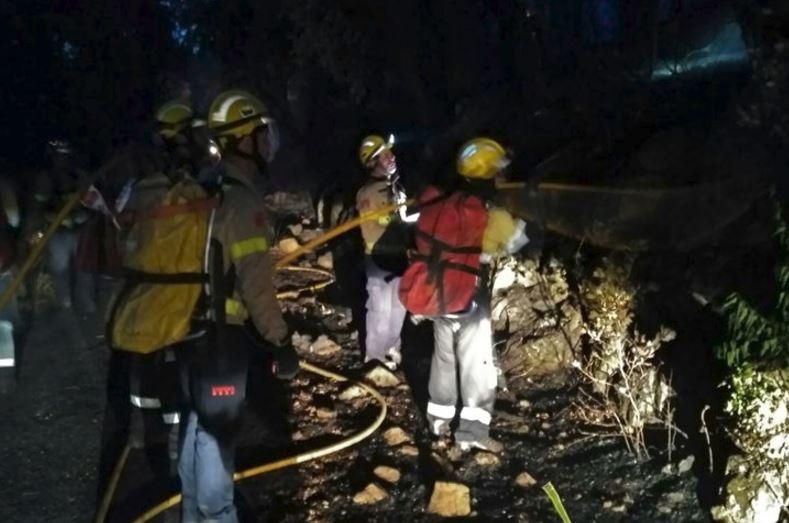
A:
(285, 364)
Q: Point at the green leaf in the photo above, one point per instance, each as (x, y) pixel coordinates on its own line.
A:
(558, 506)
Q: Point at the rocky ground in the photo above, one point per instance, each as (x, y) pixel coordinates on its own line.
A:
(52, 425)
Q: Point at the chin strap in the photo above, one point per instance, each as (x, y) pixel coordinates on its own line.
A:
(255, 156)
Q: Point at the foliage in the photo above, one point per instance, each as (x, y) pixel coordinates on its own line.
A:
(758, 402)
(755, 337)
(757, 352)
(629, 391)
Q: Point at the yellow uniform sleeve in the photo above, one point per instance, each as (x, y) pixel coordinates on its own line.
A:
(504, 234)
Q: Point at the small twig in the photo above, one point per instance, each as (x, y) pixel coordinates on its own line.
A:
(669, 441)
(707, 435)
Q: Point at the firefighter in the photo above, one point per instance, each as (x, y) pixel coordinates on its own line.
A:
(243, 288)
(154, 378)
(463, 359)
(143, 389)
(52, 189)
(385, 245)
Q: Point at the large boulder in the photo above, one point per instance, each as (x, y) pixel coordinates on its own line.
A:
(532, 309)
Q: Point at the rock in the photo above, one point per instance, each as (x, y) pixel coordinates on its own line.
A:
(751, 493)
(388, 474)
(524, 404)
(326, 261)
(486, 459)
(395, 436)
(668, 469)
(296, 229)
(352, 392)
(675, 497)
(450, 500)
(301, 342)
(455, 454)
(664, 509)
(685, 465)
(290, 204)
(371, 494)
(307, 235)
(525, 480)
(288, 245)
(545, 425)
(324, 346)
(545, 343)
(607, 504)
(325, 414)
(409, 450)
(382, 377)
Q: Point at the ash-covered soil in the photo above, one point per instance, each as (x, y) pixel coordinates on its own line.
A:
(52, 432)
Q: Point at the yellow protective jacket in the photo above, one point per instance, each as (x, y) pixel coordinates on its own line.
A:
(242, 227)
(373, 196)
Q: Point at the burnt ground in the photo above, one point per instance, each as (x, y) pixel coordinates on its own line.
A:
(52, 430)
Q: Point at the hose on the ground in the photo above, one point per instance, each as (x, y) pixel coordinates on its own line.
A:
(112, 486)
(299, 458)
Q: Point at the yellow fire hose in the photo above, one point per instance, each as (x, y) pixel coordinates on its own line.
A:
(340, 229)
(291, 460)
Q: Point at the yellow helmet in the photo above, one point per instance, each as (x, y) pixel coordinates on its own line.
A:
(372, 146)
(481, 158)
(236, 114)
(173, 117)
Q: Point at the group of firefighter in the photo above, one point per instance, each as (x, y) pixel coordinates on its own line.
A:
(428, 257)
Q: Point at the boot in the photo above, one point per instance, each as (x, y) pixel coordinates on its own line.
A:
(487, 443)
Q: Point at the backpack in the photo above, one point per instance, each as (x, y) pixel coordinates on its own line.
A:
(165, 273)
(443, 276)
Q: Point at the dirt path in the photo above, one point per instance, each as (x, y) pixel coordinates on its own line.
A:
(51, 424)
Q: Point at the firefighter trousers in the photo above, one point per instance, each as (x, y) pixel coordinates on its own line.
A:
(385, 313)
(62, 265)
(463, 362)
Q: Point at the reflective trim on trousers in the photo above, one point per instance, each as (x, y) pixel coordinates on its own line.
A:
(475, 414)
(6, 362)
(171, 418)
(145, 403)
(441, 411)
